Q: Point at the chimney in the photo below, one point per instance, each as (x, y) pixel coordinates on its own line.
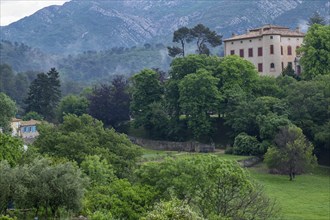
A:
(233, 34)
(298, 29)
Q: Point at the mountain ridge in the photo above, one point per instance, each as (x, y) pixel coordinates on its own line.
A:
(79, 25)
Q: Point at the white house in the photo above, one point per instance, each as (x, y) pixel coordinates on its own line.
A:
(270, 48)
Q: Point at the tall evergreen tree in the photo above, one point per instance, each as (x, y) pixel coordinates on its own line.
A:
(44, 94)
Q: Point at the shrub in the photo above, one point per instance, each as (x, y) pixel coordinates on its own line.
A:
(246, 145)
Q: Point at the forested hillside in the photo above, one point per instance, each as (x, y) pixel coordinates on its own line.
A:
(86, 67)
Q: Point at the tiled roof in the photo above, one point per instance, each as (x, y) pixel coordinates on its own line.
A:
(31, 122)
(267, 30)
(15, 120)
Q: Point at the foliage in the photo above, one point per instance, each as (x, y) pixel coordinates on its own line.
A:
(182, 36)
(42, 185)
(121, 198)
(255, 116)
(199, 97)
(289, 71)
(268, 86)
(80, 136)
(32, 115)
(181, 67)
(72, 104)
(213, 186)
(11, 149)
(98, 170)
(293, 154)
(308, 109)
(110, 103)
(315, 51)
(7, 111)
(204, 36)
(246, 145)
(172, 210)
(44, 94)
(234, 70)
(146, 90)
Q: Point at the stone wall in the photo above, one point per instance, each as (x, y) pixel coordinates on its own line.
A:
(188, 146)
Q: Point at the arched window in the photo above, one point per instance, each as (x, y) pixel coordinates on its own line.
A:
(272, 66)
(289, 50)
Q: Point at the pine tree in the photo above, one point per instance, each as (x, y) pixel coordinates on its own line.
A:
(44, 94)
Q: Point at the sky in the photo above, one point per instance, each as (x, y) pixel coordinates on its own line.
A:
(13, 10)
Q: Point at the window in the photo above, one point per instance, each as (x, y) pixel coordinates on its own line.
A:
(241, 52)
(271, 49)
(250, 40)
(259, 51)
(271, 37)
(272, 67)
(232, 52)
(259, 67)
(289, 50)
(241, 41)
(290, 64)
(232, 42)
(250, 52)
(281, 50)
(282, 66)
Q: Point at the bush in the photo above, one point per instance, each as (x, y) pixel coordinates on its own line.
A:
(246, 145)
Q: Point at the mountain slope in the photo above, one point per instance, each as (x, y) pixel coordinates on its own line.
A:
(81, 25)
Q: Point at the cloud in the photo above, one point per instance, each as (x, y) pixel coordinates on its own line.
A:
(13, 10)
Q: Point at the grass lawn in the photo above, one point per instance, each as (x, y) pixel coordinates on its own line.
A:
(156, 155)
(307, 197)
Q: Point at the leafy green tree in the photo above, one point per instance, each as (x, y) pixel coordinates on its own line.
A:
(72, 104)
(255, 116)
(212, 186)
(7, 111)
(42, 185)
(204, 36)
(32, 115)
(122, 199)
(199, 97)
(180, 67)
(80, 136)
(146, 90)
(44, 94)
(11, 149)
(234, 70)
(98, 170)
(315, 51)
(289, 71)
(182, 36)
(246, 145)
(268, 86)
(270, 124)
(172, 210)
(316, 18)
(293, 153)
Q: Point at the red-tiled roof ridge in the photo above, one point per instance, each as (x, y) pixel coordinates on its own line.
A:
(31, 122)
(267, 30)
